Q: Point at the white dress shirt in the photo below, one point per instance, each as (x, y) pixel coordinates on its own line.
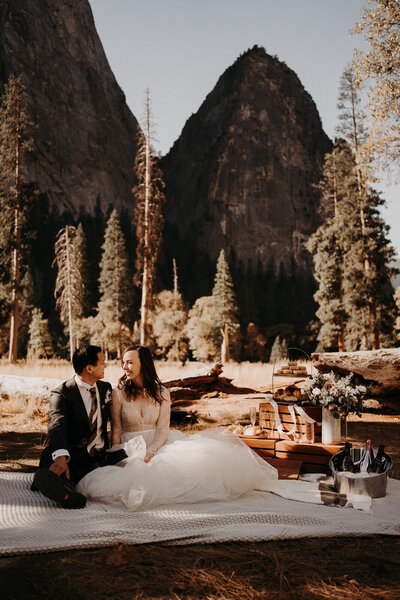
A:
(84, 390)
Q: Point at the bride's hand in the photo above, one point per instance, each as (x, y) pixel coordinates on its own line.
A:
(148, 457)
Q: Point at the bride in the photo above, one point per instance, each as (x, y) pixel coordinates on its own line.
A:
(164, 466)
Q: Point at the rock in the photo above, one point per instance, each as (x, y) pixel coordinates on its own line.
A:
(379, 367)
(241, 177)
(85, 144)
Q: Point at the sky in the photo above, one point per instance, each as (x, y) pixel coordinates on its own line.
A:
(179, 49)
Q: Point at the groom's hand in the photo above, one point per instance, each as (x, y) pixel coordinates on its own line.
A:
(60, 466)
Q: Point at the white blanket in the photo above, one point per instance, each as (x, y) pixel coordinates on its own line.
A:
(29, 522)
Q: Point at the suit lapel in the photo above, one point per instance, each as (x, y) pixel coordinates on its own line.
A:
(102, 389)
(76, 399)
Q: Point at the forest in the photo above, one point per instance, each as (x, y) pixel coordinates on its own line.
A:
(108, 277)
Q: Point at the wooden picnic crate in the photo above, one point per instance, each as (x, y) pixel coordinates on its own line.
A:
(291, 458)
(315, 412)
(315, 457)
(262, 446)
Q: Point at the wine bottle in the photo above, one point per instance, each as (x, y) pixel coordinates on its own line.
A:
(376, 465)
(366, 457)
(347, 464)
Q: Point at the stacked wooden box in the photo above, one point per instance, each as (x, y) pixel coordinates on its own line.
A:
(293, 457)
(315, 412)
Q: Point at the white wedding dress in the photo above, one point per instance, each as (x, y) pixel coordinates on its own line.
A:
(206, 466)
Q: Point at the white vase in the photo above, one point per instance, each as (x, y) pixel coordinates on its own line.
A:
(330, 427)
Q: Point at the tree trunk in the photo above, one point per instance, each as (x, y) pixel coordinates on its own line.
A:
(143, 307)
(70, 320)
(380, 367)
(16, 279)
(225, 344)
(145, 279)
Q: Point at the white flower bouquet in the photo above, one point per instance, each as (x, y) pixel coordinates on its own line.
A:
(335, 393)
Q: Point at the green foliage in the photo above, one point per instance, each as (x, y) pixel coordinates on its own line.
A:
(378, 69)
(351, 116)
(224, 307)
(40, 344)
(16, 131)
(115, 315)
(255, 347)
(351, 250)
(201, 330)
(351, 261)
(279, 350)
(169, 320)
(210, 314)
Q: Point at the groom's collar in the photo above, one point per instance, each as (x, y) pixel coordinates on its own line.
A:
(82, 384)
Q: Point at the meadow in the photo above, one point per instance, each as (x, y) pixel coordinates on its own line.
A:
(328, 568)
(254, 375)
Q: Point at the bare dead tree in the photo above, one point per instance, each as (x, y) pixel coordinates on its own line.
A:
(69, 288)
(148, 219)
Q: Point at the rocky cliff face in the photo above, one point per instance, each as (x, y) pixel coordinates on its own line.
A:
(241, 175)
(86, 137)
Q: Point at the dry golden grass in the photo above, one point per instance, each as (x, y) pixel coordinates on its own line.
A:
(312, 569)
(245, 374)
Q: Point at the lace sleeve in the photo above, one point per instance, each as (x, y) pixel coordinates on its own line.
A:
(162, 426)
(116, 423)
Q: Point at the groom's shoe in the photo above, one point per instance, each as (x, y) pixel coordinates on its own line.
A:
(58, 489)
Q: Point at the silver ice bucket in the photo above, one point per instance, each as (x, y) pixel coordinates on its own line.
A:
(373, 485)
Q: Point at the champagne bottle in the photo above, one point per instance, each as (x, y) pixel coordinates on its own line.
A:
(366, 458)
(376, 465)
(347, 464)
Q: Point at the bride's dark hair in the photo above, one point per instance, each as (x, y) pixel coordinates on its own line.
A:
(151, 381)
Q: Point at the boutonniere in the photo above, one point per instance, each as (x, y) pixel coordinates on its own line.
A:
(108, 397)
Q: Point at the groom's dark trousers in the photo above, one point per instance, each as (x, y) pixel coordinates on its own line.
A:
(69, 429)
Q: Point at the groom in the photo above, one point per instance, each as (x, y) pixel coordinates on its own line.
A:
(78, 440)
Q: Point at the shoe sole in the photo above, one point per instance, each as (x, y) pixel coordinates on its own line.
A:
(55, 488)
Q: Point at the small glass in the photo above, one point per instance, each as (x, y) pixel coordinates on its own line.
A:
(309, 434)
(253, 415)
(274, 432)
(263, 418)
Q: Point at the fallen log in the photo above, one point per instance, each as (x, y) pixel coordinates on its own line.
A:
(380, 368)
(197, 379)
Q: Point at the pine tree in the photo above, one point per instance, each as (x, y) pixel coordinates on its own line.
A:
(201, 331)
(213, 327)
(279, 350)
(116, 289)
(68, 290)
(328, 243)
(148, 219)
(379, 69)
(225, 309)
(169, 325)
(40, 344)
(370, 246)
(16, 130)
(349, 236)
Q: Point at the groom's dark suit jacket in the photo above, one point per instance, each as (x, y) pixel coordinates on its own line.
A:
(69, 427)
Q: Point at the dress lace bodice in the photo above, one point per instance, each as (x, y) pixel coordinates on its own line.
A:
(142, 414)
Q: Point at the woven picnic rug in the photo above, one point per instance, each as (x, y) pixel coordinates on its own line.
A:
(31, 523)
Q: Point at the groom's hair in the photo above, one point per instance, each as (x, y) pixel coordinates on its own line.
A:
(84, 356)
